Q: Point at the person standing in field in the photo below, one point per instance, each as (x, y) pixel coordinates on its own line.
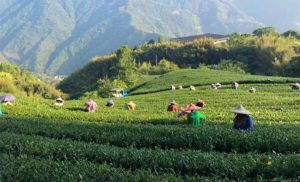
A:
(172, 107)
(242, 120)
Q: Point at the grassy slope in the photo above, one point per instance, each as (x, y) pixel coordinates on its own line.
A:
(55, 143)
(203, 76)
(269, 105)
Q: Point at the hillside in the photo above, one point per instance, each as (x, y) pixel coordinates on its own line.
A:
(150, 144)
(66, 143)
(57, 37)
(18, 81)
(203, 77)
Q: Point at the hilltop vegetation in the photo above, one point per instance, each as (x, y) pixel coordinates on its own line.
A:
(265, 52)
(18, 81)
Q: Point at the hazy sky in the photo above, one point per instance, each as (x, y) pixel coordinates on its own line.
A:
(277, 13)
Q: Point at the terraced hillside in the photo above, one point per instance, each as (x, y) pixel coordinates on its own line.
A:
(41, 141)
(202, 77)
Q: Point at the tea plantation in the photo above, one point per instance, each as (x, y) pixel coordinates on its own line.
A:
(41, 142)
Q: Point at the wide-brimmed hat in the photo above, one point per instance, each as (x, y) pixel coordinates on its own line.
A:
(173, 102)
(240, 110)
(59, 99)
(7, 98)
(131, 103)
(190, 108)
(110, 101)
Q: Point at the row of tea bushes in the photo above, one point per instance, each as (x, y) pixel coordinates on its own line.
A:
(183, 163)
(221, 138)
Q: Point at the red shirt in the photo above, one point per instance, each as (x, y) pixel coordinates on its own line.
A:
(172, 108)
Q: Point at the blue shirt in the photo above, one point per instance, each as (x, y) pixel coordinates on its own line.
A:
(243, 122)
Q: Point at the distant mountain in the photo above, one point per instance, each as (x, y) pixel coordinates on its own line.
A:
(59, 36)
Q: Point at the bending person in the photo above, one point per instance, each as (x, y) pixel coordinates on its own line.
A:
(242, 120)
(172, 107)
(194, 117)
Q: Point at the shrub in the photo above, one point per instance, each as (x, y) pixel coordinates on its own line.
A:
(230, 65)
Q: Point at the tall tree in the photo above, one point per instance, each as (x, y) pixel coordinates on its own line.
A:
(125, 68)
(273, 54)
(265, 31)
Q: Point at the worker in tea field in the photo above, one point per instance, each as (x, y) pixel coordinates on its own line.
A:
(110, 103)
(242, 120)
(172, 107)
(90, 105)
(200, 103)
(194, 117)
(130, 106)
(59, 102)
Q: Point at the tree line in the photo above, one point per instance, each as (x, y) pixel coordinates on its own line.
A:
(264, 52)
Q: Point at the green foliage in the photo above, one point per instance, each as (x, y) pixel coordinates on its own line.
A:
(293, 69)
(106, 85)
(292, 33)
(157, 160)
(125, 68)
(85, 79)
(166, 66)
(36, 169)
(205, 138)
(18, 81)
(7, 83)
(268, 54)
(145, 68)
(151, 41)
(152, 144)
(265, 31)
(230, 65)
(273, 54)
(200, 77)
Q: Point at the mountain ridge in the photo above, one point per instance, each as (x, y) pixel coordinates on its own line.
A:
(60, 36)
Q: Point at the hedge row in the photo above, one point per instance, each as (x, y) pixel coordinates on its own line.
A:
(281, 139)
(134, 92)
(185, 163)
(26, 168)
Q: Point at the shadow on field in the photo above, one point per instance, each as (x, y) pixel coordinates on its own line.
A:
(76, 109)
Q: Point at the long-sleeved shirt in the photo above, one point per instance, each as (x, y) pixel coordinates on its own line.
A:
(195, 118)
(243, 122)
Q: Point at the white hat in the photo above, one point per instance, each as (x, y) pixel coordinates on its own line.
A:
(59, 99)
(240, 110)
(173, 102)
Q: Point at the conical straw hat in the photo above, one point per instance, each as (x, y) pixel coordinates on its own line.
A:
(131, 103)
(173, 102)
(240, 110)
